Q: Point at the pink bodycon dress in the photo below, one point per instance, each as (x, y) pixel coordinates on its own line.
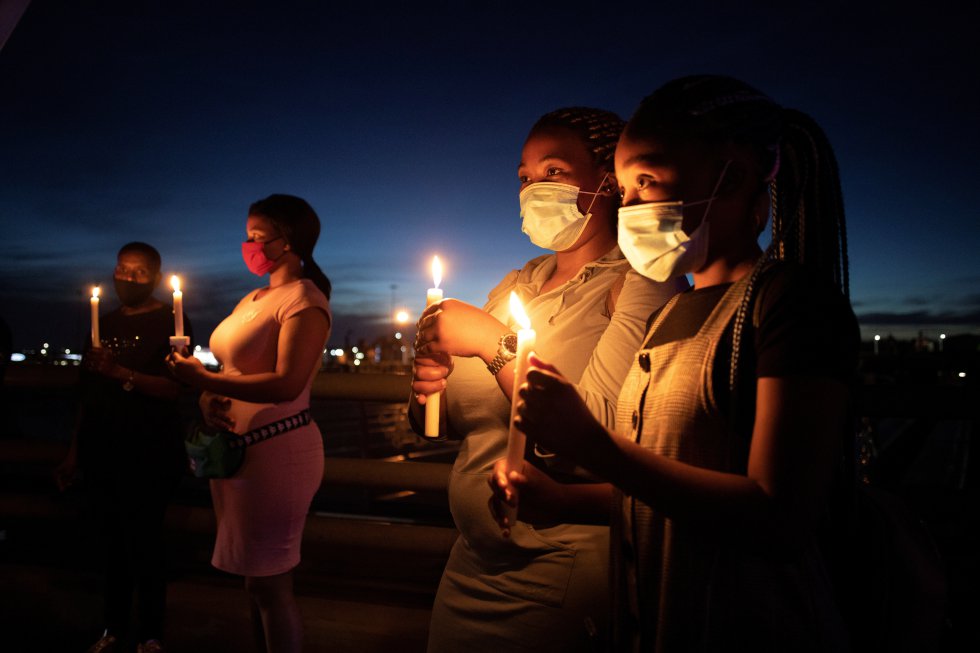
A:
(261, 510)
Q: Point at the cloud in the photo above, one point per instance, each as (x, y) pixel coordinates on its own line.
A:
(968, 318)
(916, 300)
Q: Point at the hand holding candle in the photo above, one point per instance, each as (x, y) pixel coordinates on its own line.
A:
(94, 302)
(433, 295)
(178, 340)
(526, 339)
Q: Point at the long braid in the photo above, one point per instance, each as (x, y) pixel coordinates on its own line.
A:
(808, 182)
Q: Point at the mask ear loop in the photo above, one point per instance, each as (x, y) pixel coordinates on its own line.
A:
(588, 211)
(714, 192)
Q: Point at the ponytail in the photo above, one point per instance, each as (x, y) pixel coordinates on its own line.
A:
(313, 272)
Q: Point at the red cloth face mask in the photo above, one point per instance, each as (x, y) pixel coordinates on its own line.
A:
(255, 259)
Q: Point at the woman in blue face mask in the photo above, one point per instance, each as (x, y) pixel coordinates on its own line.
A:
(540, 583)
(732, 414)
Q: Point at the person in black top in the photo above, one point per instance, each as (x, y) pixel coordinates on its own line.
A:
(128, 449)
(731, 420)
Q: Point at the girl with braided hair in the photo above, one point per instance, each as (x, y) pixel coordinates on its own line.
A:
(540, 584)
(731, 417)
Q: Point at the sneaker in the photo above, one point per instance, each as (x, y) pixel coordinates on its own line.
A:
(150, 646)
(107, 644)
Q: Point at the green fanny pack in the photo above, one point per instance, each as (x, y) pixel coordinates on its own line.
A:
(215, 453)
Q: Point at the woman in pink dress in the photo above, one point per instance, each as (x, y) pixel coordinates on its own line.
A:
(270, 348)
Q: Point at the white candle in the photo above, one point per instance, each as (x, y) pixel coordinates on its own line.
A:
(178, 307)
(433, 295)
(94, 302)
(526, 338)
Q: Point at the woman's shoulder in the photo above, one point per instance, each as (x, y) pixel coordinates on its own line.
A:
(525, 275)
(786, 284)
(803, 324)
(300, 295)
(638, 288)
(308, 289)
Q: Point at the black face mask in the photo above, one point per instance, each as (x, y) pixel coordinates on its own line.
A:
(133, 294)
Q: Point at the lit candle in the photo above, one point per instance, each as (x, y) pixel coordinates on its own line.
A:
(526, 338)
(433, 295)
(178, 307)
(178, 341)
(96, 342)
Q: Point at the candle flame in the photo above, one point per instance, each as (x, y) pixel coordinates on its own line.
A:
(517, 311)
(95, 292)
(436, 272)
(175, 283)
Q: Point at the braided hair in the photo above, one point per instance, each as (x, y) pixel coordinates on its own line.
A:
(598, 129)
(795, 160)
(300, 226)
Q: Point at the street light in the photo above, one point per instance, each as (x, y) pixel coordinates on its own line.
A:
(877, 340)
(942, 338)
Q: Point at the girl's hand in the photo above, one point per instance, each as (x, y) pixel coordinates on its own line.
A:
(429, 374)
(458, 329)
(214, 409)
(186, 368)
(529, 490)
(102, 361)
(551, 413)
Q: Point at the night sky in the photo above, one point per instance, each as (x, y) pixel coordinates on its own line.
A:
(162, 121)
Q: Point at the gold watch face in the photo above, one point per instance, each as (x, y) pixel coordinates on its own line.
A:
(508, 343)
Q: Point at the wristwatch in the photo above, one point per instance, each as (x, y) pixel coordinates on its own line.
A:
(506, 352)
(128, 384)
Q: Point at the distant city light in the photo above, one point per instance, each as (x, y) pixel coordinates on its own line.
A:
(68, 351)
(962, 375)
(402, 317)
(337, 352)
(17, 357)
(46, 345)
(877, 338)
(44, 351)
(354, 349)
(359, 355)
(197, 348)
(404, 348)
(942, 336)
(398, 335)
(357, 362)
(73, 357)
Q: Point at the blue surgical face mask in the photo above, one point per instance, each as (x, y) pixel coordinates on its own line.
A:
(652, 240)
(550, 213)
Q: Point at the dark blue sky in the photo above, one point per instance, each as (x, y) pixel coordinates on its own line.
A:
(403, 127)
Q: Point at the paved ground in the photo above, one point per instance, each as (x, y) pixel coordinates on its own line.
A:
(46, 610)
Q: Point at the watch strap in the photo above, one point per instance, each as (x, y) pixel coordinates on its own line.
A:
(497, 364)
